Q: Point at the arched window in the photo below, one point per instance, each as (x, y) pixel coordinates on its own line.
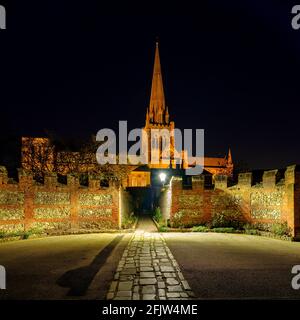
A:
(155, 142)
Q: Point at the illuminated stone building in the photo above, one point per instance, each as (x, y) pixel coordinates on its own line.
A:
(158, 117)
(37, 152)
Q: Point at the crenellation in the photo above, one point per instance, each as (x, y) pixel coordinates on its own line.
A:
(198, 182)
(25, 179)
(45, 204)
(176, 183)
(221, 182)
(245, 180)
(73, 181)
(54, 207)
(264, 203)
(3, 175)
(94, 183)
(290, 175)
(269, 178)
(50, 180)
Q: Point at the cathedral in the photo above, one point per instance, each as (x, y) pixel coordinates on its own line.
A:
(157, 117)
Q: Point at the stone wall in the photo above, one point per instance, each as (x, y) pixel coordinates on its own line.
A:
(53, 206)
(269, 201)
(165, 203)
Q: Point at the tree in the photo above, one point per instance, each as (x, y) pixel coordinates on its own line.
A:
(38, 156)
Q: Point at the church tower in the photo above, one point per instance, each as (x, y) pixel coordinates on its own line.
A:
(157, 116)
(158, 113)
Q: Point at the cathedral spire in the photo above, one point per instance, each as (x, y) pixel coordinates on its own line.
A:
(157, 99)
(229, 157)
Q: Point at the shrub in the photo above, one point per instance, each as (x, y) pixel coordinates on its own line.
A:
(251, 229)
(162, 229)
(252, 232)
(157, 214)
(224, 230)
(280, 229)
(219, 220)
(200, 229)
(21, 234)
(181, 221)
(11, 234)
(128, 221)
(249, 226)
(36, 231)
(25, 235)
(168, 223)
(232, 219)
(262, 226)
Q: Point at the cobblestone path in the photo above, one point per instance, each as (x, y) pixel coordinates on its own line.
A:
(148, 271)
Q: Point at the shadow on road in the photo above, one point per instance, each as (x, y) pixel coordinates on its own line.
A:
(78, 280)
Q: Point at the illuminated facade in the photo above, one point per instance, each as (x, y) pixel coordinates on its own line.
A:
(37, 153)
(157, 117)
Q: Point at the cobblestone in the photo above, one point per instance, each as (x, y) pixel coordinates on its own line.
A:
(172, 281)
(124, 294)
(125, 285)
(148, 281)
(174, 288)
(173, 295)
(148, 271)
(148, 289)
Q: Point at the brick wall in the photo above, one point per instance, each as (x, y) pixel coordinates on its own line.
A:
(264, 203)
(53, 206)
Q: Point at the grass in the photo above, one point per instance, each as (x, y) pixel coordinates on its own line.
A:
(253, 232)
(128, 222)
(22, 234)
(224, 230)
(278, 230)
(162, 229)
(200, 229)
(157, 215)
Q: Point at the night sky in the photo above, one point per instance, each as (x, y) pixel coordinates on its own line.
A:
(230, 67)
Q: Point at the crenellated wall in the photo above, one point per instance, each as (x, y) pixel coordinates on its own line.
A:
(266, 202)
(53, 206)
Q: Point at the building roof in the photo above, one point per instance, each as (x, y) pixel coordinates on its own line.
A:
(215, 162)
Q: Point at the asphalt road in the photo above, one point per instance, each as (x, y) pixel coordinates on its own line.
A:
(65, 267)
(230, 266)
(217, 266)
